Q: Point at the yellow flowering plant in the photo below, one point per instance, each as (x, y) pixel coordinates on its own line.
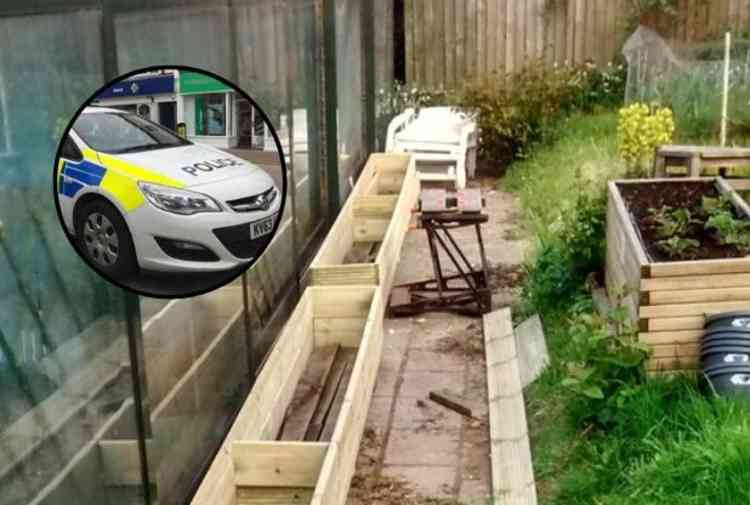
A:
(640, 130)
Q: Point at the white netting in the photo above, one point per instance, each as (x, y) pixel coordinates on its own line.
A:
(689, 79)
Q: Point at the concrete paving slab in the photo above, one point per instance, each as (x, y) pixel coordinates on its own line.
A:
(410, 447)
(430, 481)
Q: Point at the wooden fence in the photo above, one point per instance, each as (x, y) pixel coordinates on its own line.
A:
(450, 41)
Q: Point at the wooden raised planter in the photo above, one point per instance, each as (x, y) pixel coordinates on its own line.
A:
(253, 466)
(363, 245)
(670, 300)
(265, 457)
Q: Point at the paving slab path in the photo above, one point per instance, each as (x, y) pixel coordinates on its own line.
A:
(415, 451)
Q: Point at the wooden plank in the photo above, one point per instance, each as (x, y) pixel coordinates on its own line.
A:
(499, 29)
(615, 199)
(672, 364)
(410, 55)
(273, 496)
(481, 34)
(341, 301)
(450, 400)
(449, 29)
(696, 295)
(689, 309)
(671, 337)
(471, 38)
(339, 394)
(510, 452)
(685, 350)
(580, 31)
(337, 380)
(673, 323)
(700, 267)
(510, 41)
(460, 22)
(696, 282)
(374, 206)
(307, 395)
(277, 464)
(343, 331)
(364, 274)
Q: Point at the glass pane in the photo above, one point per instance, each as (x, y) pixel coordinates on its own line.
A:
(306, 120)
(64, 367)
(194, 36)
(350, 112)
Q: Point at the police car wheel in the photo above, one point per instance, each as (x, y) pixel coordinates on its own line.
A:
(105, 239)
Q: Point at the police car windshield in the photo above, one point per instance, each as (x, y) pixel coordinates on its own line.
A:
(115, 133)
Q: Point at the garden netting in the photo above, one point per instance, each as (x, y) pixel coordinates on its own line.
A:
(688, 78)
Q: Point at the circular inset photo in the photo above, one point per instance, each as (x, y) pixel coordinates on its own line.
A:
(170, 182)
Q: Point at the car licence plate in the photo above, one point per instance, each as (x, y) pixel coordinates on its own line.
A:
(262, 227)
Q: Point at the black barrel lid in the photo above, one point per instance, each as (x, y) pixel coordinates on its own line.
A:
(726, 315)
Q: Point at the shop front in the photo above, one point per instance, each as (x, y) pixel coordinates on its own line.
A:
(149, 95)
(208, 109)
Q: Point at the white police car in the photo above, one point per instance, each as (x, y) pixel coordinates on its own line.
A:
(134, 194)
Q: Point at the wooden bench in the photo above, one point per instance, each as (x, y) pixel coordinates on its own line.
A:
(696, 158)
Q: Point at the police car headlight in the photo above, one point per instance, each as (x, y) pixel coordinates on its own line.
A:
(178, 201)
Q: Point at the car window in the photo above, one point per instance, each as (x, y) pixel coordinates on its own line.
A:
(70, 151)
(121, 133)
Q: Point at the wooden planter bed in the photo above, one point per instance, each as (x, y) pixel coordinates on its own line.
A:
(331, 345)
(669, 300)
(296, 438)
(364, 243)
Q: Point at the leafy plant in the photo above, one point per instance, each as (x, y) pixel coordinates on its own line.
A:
(730, 231)
(672, 222)
(640, 130)
(607, 365)
(678, 247)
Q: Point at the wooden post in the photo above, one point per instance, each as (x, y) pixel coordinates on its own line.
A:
(660, 164)
(694, 165)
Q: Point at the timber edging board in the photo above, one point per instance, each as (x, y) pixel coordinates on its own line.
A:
(670, 300)
(343, 304)
(510, 451)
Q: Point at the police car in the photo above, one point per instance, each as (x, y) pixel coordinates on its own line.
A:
(134, 194)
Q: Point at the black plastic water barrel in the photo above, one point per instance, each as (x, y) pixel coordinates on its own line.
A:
(725, 353)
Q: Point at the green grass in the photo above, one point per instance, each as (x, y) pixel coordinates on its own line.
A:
(546, 183)
(673, 444)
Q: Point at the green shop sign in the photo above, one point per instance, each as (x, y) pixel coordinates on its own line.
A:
(193, 82)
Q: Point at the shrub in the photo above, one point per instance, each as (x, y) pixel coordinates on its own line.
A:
(640, 130)
(607, 365)
(573, 251)
(524, 108)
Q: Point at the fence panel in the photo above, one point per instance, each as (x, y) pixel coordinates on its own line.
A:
(451, 41)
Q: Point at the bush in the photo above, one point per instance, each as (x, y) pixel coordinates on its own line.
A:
(573, 251)
(524, 108)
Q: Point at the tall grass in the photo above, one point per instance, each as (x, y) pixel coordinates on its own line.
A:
(548, 182)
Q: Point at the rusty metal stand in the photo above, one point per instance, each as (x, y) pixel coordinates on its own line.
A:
(468, 291)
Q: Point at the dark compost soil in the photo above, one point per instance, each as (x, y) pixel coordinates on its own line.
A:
(640, 198)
